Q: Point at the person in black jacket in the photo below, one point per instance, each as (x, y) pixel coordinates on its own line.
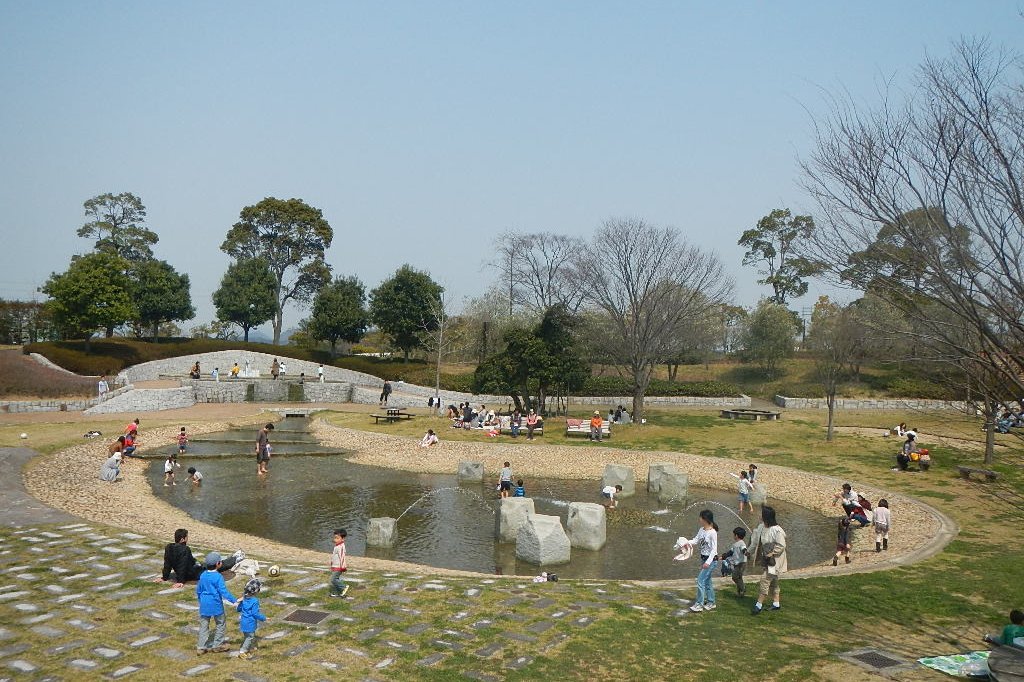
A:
(178, 560)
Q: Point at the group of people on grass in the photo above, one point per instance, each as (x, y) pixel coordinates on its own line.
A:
(466, 417)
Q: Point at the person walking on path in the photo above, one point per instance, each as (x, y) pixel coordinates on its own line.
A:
(706, 543)
(385, 393)
(249, 608)
(339, 564)
(212, 592)
(882, 520)
(768, 547)
(263, 448)
(275, 368)
(102, 386)
(320, 373)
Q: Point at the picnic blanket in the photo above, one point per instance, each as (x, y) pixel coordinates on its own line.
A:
(971, 664)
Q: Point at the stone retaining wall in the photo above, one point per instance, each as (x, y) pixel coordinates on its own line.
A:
(872, 404)
(76, 405)
(146, 400)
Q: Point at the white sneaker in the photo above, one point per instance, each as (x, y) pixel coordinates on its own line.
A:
(696, 608)
(710, 607)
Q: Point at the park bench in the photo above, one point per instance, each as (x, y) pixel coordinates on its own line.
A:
(581, 427)
(505, 426)
(965, 472)
(392, 415)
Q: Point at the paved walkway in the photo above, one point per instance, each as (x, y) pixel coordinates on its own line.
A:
(17, 507)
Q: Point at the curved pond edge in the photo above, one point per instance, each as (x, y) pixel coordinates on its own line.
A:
(68, 480)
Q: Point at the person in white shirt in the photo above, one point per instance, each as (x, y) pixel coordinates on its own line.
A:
(744, 491)
(608, 493)
(320, 373)
(430, 438)
(103, 386)
(882, 520)
(706, 544)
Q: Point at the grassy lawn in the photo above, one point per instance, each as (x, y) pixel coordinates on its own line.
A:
(941, 605)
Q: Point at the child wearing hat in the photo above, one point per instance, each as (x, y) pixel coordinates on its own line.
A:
(211, 591)
(249, 607)
(596, 424)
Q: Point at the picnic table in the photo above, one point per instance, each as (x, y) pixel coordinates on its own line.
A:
(392, 415)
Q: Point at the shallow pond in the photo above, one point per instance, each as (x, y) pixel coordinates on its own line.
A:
(449, 525)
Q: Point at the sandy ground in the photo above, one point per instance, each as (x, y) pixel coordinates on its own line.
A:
(69, 480)
(962, 443)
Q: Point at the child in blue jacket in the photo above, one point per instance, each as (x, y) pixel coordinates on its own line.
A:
(249, 607)
(212, 592)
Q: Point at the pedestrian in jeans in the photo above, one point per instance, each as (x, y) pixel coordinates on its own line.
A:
(706, 542)
(212, 592)
(248, 621)
(339, 564)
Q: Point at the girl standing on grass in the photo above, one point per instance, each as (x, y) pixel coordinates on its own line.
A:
(706, 542)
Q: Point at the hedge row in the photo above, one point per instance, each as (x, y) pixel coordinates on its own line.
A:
(617, 386)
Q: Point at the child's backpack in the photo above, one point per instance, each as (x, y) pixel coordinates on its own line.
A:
(864, 502)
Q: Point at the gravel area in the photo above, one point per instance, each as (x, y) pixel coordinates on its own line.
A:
(69, 480)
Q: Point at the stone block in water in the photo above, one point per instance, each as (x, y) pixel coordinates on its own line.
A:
(673, 486)
(381, 532)
(655, 472)
(759, 495)
(512, 514)
(542, 541)
(620, 474)
(587, 525)
(471, 471)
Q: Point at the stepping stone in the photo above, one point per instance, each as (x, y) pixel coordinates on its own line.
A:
(13, 650)
(473, 592)
(75, 576)
(458, 635)
(540, 627)
(355, 652)
(48, 534)
(330, 665)
(275, 635)
(121, 594)
(453, 646)
(157, 615)
(170, 590)
(22, 666)
(368, 634)
(385, 663)
(489, 650)
(82, 624)
(133, 536)
(83, 664)
(249, 677)
(26, 608)
(36, 619)
(519, 637)
(197, 669)
(431, 660)
(108, 577)
(301, 649)
(131, 634)
(519, 663)
(583, 622)
(555, 640)
(59, 569)
(400, 646)
(66, 647)
(145, 640)
(13, 595)
(481, 677)
(136, 605)
(47, 631)
(84, 608)
(543, 603)
(417, 629)
(106, 652)
(125, 671)
(55, 589)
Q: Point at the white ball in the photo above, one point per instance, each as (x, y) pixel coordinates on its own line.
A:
(24, 436)
(274, 571)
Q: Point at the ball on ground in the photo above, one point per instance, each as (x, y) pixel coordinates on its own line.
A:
(24, 435)
(274, 571)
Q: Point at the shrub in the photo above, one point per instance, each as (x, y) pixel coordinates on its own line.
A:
(913, 387)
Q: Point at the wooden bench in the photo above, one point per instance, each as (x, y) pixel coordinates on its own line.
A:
(391, 416)
(583, 428)
(965, 472)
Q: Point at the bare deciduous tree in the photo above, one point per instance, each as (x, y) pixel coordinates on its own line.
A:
(649, 284)
(536, 271)
(933, 188)
(833, 342)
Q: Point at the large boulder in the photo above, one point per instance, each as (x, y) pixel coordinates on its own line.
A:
(512, 514)
(673, 486)
(587, 525)
(655, 472)
(542, 541)
(381, 532)
(471, 471)
(620, 474)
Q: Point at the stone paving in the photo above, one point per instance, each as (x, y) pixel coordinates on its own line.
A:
(77, 600)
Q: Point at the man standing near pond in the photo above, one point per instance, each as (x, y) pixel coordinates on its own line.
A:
(263, 448)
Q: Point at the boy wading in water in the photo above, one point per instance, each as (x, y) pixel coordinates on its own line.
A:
(339, 564)
(263, 448)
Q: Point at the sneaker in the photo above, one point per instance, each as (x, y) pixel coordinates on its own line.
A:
(710, 607)
(696, 608)
(200, 652)
(220, 649)
(344, 591)
(333, 595)
(756, 611)
(167, 485)
(847, 559)
(776, 608)
(244, 655)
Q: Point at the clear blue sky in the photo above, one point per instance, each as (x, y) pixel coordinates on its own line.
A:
(422, 130)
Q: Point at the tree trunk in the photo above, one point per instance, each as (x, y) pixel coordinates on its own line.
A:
(156, 332)
(334, 351)
(638, 403)
(990, 440)
(673, 369)
(109, 331)
(246, 331)
(830, 399)
(278, 321)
